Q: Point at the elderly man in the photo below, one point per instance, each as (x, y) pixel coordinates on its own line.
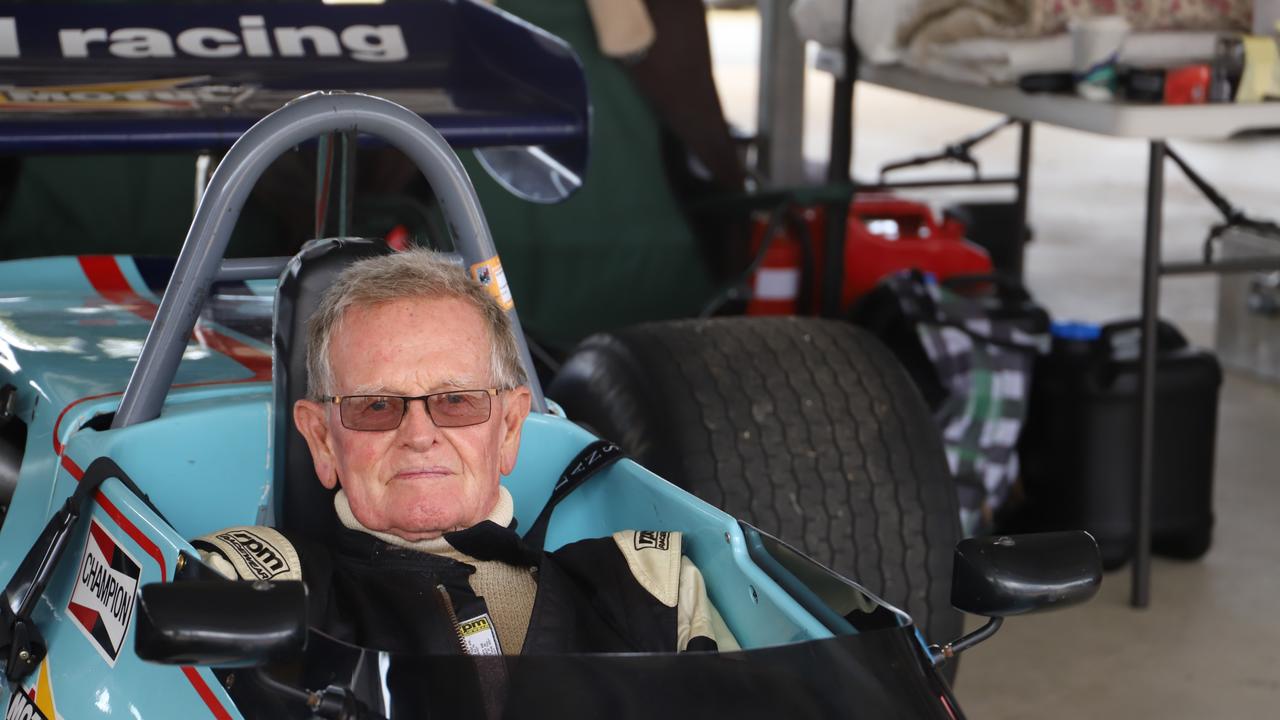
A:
(416, 403)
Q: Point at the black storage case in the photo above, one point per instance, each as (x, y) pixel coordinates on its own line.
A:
(1079, 449)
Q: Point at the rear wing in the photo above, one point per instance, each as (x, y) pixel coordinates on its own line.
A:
(115, 78)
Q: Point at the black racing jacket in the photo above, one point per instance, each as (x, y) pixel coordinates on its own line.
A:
(380, 596)
(374, 596)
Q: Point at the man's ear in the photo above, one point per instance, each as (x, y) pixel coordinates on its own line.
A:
(309, 418)
(515, 408)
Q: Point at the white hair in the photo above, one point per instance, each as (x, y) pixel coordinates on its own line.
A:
(415, 273)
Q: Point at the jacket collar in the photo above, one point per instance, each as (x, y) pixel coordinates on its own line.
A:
(494, 538)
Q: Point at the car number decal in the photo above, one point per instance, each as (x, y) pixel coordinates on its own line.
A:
(106, 587)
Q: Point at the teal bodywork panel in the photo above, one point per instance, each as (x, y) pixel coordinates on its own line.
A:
(627, 496)
(70, 340)
(69, 347)
(77, 679)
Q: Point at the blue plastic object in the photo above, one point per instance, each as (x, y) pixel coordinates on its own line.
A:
(1072, 330)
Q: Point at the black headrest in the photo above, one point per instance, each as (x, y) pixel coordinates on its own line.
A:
(302, 505)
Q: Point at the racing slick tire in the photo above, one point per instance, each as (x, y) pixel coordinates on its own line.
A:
(807, 428)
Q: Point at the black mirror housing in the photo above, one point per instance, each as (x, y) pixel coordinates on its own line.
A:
(221, 622)
(1006, 575)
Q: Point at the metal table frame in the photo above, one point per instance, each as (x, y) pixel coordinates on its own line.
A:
(1156, 124)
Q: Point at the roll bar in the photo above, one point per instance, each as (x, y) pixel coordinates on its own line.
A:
(206, 242)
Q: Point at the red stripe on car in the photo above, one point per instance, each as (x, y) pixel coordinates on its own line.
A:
(206, 694)
(104, 274)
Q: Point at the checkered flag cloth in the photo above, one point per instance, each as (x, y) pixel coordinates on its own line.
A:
(985, 366)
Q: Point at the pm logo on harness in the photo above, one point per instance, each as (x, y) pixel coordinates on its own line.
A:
(264, 559)
(106, 585)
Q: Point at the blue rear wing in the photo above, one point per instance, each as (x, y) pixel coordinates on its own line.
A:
(195, 77)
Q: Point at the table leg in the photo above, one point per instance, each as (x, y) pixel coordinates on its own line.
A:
(780, 111)
(1020, 197)
(1140, 589)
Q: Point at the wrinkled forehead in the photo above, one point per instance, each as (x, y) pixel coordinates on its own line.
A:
(411, 346)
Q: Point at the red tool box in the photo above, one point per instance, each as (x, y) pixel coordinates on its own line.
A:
(883, 234)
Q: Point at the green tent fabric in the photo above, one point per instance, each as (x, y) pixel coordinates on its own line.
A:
(130, 204)
(74, 204)
(619, 251)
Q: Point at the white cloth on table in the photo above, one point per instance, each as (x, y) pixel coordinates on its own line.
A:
(1000, 58)
(996, 61)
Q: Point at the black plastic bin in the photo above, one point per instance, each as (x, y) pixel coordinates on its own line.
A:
(1079, 449)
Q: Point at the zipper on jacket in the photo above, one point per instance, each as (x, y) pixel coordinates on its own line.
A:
(453, 618)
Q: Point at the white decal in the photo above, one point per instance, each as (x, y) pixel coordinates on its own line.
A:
(367, 43)
(9, 38)
(106, 586)
(480, 636)
(261, 557)
(22, 707)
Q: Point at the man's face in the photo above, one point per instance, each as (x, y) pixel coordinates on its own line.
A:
(418, 480)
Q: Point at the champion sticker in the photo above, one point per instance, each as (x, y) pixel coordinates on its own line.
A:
(102, 602)
(490, 274)
(262, 558)
(652, 540)
(479, 635)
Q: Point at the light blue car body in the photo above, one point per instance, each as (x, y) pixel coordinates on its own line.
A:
(206, 464)
(71, 333)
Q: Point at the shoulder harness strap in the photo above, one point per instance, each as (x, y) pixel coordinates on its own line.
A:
(593, 458)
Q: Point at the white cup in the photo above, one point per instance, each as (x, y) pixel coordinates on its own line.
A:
(1096, 43)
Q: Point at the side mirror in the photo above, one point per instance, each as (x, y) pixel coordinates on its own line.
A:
(1017, 574)
(1005, 575)
(221, 622)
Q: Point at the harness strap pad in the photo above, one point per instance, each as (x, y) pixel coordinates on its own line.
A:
(654, 558)
(256, 552)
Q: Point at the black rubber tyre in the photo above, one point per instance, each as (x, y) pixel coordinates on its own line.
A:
(808, 429)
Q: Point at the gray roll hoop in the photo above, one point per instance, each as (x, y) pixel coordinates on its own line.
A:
(300, 120)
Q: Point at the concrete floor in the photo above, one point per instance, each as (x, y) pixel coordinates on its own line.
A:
(1209, 644)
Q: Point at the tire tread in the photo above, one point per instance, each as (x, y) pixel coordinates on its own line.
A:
(806, 428)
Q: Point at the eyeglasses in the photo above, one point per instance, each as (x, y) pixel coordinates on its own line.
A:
(451, 408)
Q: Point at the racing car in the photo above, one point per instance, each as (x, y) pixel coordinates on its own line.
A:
(141, 406)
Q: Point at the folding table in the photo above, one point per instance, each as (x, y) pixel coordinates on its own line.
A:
(1157, 124)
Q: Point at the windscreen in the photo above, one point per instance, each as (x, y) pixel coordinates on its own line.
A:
(878, 674)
